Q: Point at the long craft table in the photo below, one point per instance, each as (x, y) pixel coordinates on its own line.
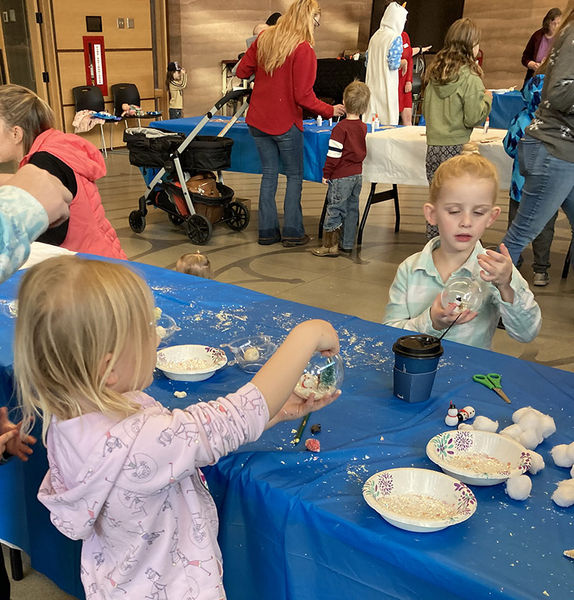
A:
(294, 525)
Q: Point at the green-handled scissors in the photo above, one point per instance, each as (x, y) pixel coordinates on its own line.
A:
(492, 382)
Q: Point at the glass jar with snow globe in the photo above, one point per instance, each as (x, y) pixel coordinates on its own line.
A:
(322, 376)
(462, 293)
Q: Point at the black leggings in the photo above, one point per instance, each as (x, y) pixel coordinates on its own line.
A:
(4, 579)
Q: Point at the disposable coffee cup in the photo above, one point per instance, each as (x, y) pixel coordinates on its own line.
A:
(416, 362)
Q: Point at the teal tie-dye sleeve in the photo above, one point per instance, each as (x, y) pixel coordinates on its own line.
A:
(22, 220)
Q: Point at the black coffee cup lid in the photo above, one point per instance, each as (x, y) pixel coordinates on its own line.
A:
(418, 346)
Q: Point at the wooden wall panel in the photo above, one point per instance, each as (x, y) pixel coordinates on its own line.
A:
(134, 66)
(70, 19)
(201, 35)
(506, 28)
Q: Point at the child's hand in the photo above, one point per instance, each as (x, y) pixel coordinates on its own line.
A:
(5, 438)
(297, 407)
(403, 66)
(325, 181)
(497, 266)
(408, 87)
(443, 317)
(10, 439)
(328, 340)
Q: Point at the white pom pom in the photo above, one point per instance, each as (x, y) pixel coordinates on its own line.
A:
(530, 420)
(570, 453)
(462, 426)
(564, 493)
(572, 472)
(519, 487)
(536, 462)
(485, 424)
(530, 439)
(518, 414)
(513, 431)
(560, 455)
(548, 426)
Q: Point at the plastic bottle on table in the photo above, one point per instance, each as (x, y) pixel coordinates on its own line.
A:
(319, 120)
(376, 123)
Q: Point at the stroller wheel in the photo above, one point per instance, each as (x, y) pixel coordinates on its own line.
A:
(237, 216)
(137, 221)
(198, 229)
(175, 219)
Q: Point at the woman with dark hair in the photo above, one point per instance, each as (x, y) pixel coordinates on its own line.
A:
(540, 42)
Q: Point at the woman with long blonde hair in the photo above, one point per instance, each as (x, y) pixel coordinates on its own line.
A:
(455, 99)
(284, 64)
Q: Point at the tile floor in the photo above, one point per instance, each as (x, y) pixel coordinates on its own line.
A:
(357, 285)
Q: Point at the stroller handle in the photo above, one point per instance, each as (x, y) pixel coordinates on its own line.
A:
(232, 95)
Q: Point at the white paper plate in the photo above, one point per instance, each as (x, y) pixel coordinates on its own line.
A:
(478, 457)
(419, 500)
(190, 362)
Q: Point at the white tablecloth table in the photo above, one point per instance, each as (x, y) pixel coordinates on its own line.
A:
(397, 155)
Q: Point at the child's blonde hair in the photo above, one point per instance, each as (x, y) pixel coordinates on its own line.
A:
(194, 263)
(73, 314)
(356, 97)
(470, 165)
(21, 107)
(457, 52)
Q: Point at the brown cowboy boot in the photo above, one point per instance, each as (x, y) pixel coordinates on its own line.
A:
(330, 245)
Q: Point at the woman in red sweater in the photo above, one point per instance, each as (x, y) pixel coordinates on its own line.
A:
(284, 64)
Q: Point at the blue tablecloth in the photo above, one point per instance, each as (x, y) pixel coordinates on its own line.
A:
(244, 156)
(294, 525)
(504, 107)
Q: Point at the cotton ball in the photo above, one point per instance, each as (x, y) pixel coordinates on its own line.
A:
(570, 452)
(518, 487)
(530, 438)
(463, 426)
(572, 472)
(564, 493)
(531, 421)
(548, 426)
(485, 424)
(518, 414)
(536, 462)
(560, 455)
(512, 431)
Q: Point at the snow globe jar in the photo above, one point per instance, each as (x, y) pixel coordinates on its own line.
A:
(322, 376)
(462, 293)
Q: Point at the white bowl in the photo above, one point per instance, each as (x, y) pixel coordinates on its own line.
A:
(478, 457)
(190, 362)
(419, 500)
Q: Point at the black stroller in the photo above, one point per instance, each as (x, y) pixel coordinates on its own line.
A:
(200, 201)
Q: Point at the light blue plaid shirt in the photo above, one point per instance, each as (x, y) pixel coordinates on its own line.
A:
(417, 283)
(22, 220)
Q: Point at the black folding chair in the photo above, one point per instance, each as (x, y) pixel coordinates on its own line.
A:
(90, 97)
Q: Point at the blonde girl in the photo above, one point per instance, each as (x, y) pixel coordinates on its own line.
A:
(27, 136)
(284, 64)
(124, 470)
(455, 99)
(194, 263)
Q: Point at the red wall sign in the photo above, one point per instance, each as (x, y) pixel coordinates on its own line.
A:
(95, 62)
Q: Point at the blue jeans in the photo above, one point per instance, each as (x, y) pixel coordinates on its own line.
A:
(289, 148)
(549, 185)
(343, 207)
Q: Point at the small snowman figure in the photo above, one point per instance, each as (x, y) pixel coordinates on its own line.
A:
(451, 418)
(466, 413)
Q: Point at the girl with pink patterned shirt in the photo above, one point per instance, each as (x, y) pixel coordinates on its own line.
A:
(124, 471)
